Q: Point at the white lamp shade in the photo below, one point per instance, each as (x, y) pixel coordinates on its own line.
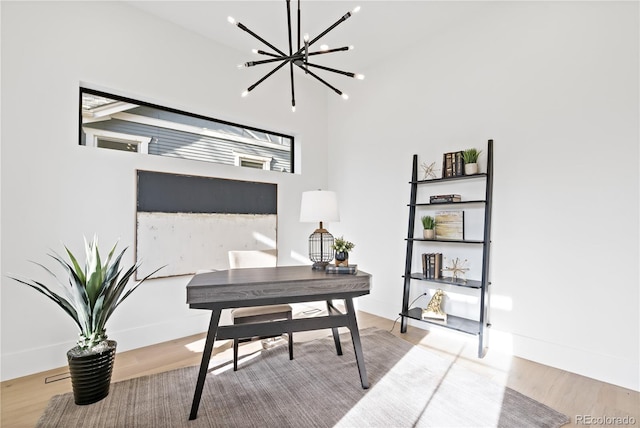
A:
(319, 205)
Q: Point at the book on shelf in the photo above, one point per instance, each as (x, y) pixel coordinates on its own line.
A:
(438, 199)
(459, 168)
(351, 269)
(450, 225)
(425, 265)
(452, 164)
(447, 165)
(432, 265)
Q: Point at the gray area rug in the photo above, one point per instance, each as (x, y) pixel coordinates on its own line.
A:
(410, 387)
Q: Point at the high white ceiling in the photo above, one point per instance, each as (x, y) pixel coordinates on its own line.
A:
(379, 29)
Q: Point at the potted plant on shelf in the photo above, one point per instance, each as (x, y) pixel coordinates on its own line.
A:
(470, 157)
(342, 248)
(91, 293)
(429, 225)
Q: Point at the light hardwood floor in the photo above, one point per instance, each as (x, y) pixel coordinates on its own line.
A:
(24, 399)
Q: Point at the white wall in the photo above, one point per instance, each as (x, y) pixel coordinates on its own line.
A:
(556, 87)
(554, 84)
(55, 191)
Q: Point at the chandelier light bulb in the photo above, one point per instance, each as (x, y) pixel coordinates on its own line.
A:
(255, 51)
(231, 20)
(241, 65)
(356, 9)
(351, 47)
(293, 109)
(244, 94)
(345, 96)
(360, 76)
(324, 47)
(306, 37)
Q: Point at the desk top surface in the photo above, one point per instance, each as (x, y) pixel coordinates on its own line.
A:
(248, 287)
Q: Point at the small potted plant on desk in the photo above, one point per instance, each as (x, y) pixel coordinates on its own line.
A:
(342, 248)
(89, 294)
(470, 157)
(428, 224)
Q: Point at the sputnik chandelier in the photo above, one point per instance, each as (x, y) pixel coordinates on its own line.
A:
(299, 58)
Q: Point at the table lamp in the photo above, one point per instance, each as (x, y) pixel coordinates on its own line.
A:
(319, 206)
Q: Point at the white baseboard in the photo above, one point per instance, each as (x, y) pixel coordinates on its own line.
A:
(606, 368)
(36, 360)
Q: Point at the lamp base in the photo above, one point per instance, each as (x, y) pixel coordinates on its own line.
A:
(321, 248)
(320, 266)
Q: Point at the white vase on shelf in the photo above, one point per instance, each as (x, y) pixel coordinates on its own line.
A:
(470, 168)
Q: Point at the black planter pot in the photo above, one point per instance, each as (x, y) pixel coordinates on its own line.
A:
(342, 258)
(91, 372)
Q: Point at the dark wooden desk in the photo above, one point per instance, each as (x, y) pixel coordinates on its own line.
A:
(237, 288)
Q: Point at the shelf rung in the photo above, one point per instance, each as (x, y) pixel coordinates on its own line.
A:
(463, 325)
(470, 283)
(453, 241)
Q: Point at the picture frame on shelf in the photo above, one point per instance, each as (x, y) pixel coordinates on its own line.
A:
(450, 225)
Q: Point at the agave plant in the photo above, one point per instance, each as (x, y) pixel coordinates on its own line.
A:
(93, 292)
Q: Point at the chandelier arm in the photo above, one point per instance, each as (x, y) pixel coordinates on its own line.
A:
(333, 70)
(312, 74)
(293, 92)
(298, 25)
(275, 59)
(293, 57)
(252, 87)
(244, 28)
(261, 52)
(289, 26)
(306, 55)
(344, 48)
(338, 22)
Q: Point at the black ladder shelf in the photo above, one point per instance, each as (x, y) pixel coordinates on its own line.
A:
(469, 326)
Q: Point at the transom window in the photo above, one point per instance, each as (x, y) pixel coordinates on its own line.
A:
(118, 123)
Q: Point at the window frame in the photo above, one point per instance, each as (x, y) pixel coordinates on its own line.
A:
(84, 89)
(264, 160)
(93, 135)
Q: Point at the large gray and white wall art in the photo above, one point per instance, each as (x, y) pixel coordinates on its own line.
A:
(190, 223)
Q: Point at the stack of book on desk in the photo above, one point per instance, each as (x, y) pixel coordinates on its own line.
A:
(351, 269)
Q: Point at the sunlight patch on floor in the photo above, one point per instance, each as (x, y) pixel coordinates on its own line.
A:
(197, 346)
(427, 390)
(496, 363)
(216, 369)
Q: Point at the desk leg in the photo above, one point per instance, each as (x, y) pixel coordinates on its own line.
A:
(336, 335)
(357, 346)
(204, 364)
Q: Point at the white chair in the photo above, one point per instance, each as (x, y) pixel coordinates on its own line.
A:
(254, 259)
